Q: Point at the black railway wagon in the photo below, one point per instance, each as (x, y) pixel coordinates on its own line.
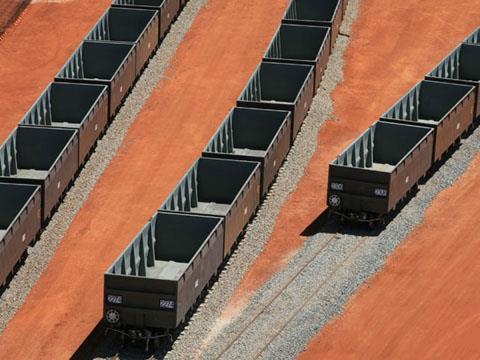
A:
(287, 87)
(162, 273)
(42, 156)
(134, 26)
(448, 108)
(474, 38)
(105, 63)
(373, 174)
(318, 13)
(20, 222)
(218, 187)
(167, 9)
(254, 135)
(461, 66)
(301, 44)
(76, 106)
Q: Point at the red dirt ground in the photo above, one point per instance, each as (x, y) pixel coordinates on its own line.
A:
(393, 45)
(426, 303)
(33, 50)
(210, 69)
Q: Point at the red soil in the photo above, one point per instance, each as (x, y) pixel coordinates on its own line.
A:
(425, 304)
(210, 69)
(393, 45)
(33, 50)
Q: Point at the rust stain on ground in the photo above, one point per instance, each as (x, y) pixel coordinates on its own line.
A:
(33, 51)
(210, 69)
(425, 304)
(393, 45)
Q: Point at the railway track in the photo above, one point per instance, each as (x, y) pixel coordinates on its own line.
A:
(285, 286)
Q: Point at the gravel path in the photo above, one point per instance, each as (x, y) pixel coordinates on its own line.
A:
(40, 255)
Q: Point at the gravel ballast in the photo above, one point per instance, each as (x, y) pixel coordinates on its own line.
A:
(40, 255)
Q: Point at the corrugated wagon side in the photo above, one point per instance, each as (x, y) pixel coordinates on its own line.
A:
(75, 106)
(42, 156)
(287, 87)
(20, 221)
(254, 135)
(133, 26)
(105, 63)
(448, 108)
(219, 187)
(372, 175)
(162, 273)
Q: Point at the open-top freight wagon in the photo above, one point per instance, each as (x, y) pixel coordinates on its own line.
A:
(83, 107)
(155, 281)
(254, 135)
(41, 156)
(167, 10)
(301, 44)
(288, 87)
(104, 63)
(448, 108)
(317, 13)
(219, 187)
(132, 26)
(370, 178)
(20, 222)
(461, 66)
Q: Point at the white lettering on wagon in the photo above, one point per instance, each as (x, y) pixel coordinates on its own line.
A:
(167, 304)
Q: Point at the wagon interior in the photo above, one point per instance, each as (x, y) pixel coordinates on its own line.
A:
(281, 82)
(37, 150)
(382, 147)
(428, 103)
(99, 60)
(175, 239)
(64, 105)
(210, 187)
(121, 25)
(298, 42)
(14, 198)
(247, 132)
(312, 10)
(469, 60)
